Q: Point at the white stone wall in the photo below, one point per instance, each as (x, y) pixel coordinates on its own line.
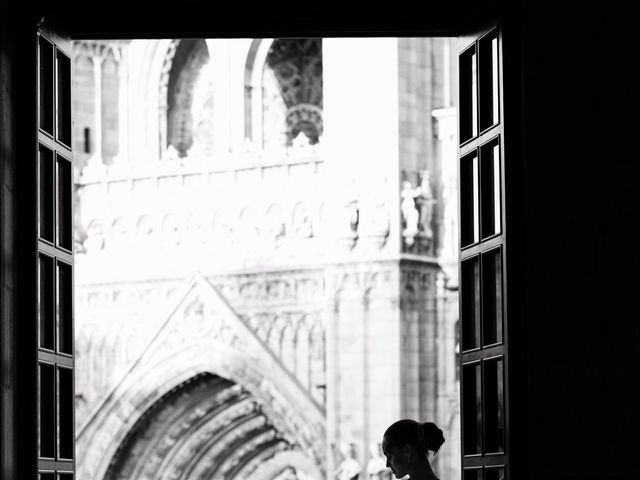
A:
(305, 243)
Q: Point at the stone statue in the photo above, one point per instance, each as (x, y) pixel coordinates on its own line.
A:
(410, 213)
(416, 206)
(424, 203)
(349, 468)
(377, 466)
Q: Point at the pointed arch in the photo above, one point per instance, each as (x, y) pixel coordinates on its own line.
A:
(216, 343)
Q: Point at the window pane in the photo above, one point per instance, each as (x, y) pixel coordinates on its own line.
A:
(45, 194)
(488, 82)
(65, 385)
(64, 206)
(65, 299)
(472, 474)
(492, 297)
(490, 188)
(494, 473)
(470, 302)
(469, 202)
(46, 86)
(65, 476)
(47, 411)
(493, 406)
(46, 319)
(472, 408)
(468, 95)
(64, 98)
(46, 476)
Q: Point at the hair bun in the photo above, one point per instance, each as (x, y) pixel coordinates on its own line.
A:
(432, 436)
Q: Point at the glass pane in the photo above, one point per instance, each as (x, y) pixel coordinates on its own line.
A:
(46, 319)
(64, 206)
(472, 474)
(493, 406)
(65, 476)
(494, 473)
(47, 476)
(63, 103)
(66, 425)
(468, 95)
(472, 408)
(492, 297)
(47, 411)
(45, 194)
(65, 299)
(489, 97)
(469, 202)
(490, 187)
(46, 86)
(470, 301)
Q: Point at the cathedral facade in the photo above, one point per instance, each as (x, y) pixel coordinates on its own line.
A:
(266, 269)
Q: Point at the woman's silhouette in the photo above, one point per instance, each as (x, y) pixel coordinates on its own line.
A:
(407, 444)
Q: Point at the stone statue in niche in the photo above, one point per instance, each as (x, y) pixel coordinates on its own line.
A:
(302, 222)
(416, 206)
(348, 218)
(425, 202)
(275, 229)
(349, 468)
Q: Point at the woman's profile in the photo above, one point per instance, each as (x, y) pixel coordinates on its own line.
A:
(406, 445)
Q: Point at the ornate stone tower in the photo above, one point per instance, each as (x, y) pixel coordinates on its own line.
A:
(263, 281)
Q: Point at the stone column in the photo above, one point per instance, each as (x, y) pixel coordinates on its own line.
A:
(97, 52)
(219, 50)
(97, 58)
(123, 105)
(446, 134)
(360, 139)
(361, 158)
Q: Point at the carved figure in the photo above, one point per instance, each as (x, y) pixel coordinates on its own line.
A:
(410, 214)
(377, 466)
(417, 209)
(424, 202)
(349, 468)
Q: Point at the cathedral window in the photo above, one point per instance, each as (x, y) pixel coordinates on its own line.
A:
(292, 91)
(189, 98)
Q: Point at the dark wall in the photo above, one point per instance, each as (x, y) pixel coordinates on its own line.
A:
(571, 129)
(8, 55)
(580, 310)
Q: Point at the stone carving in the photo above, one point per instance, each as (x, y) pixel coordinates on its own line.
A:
(349, 468)
(379, 224)
(171, 154)
(146, 226)
(302, 222)
(94, 241)
(304, 119)
(377, 466)
(248, 227)
(416, 207)
(171, 229)
(222, 227)
(275, 229)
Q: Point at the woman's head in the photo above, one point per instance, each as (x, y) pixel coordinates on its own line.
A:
(406, 443)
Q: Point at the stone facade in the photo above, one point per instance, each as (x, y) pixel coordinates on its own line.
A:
(266, 250)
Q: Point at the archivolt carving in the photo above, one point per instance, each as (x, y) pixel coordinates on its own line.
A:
(289, 408)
